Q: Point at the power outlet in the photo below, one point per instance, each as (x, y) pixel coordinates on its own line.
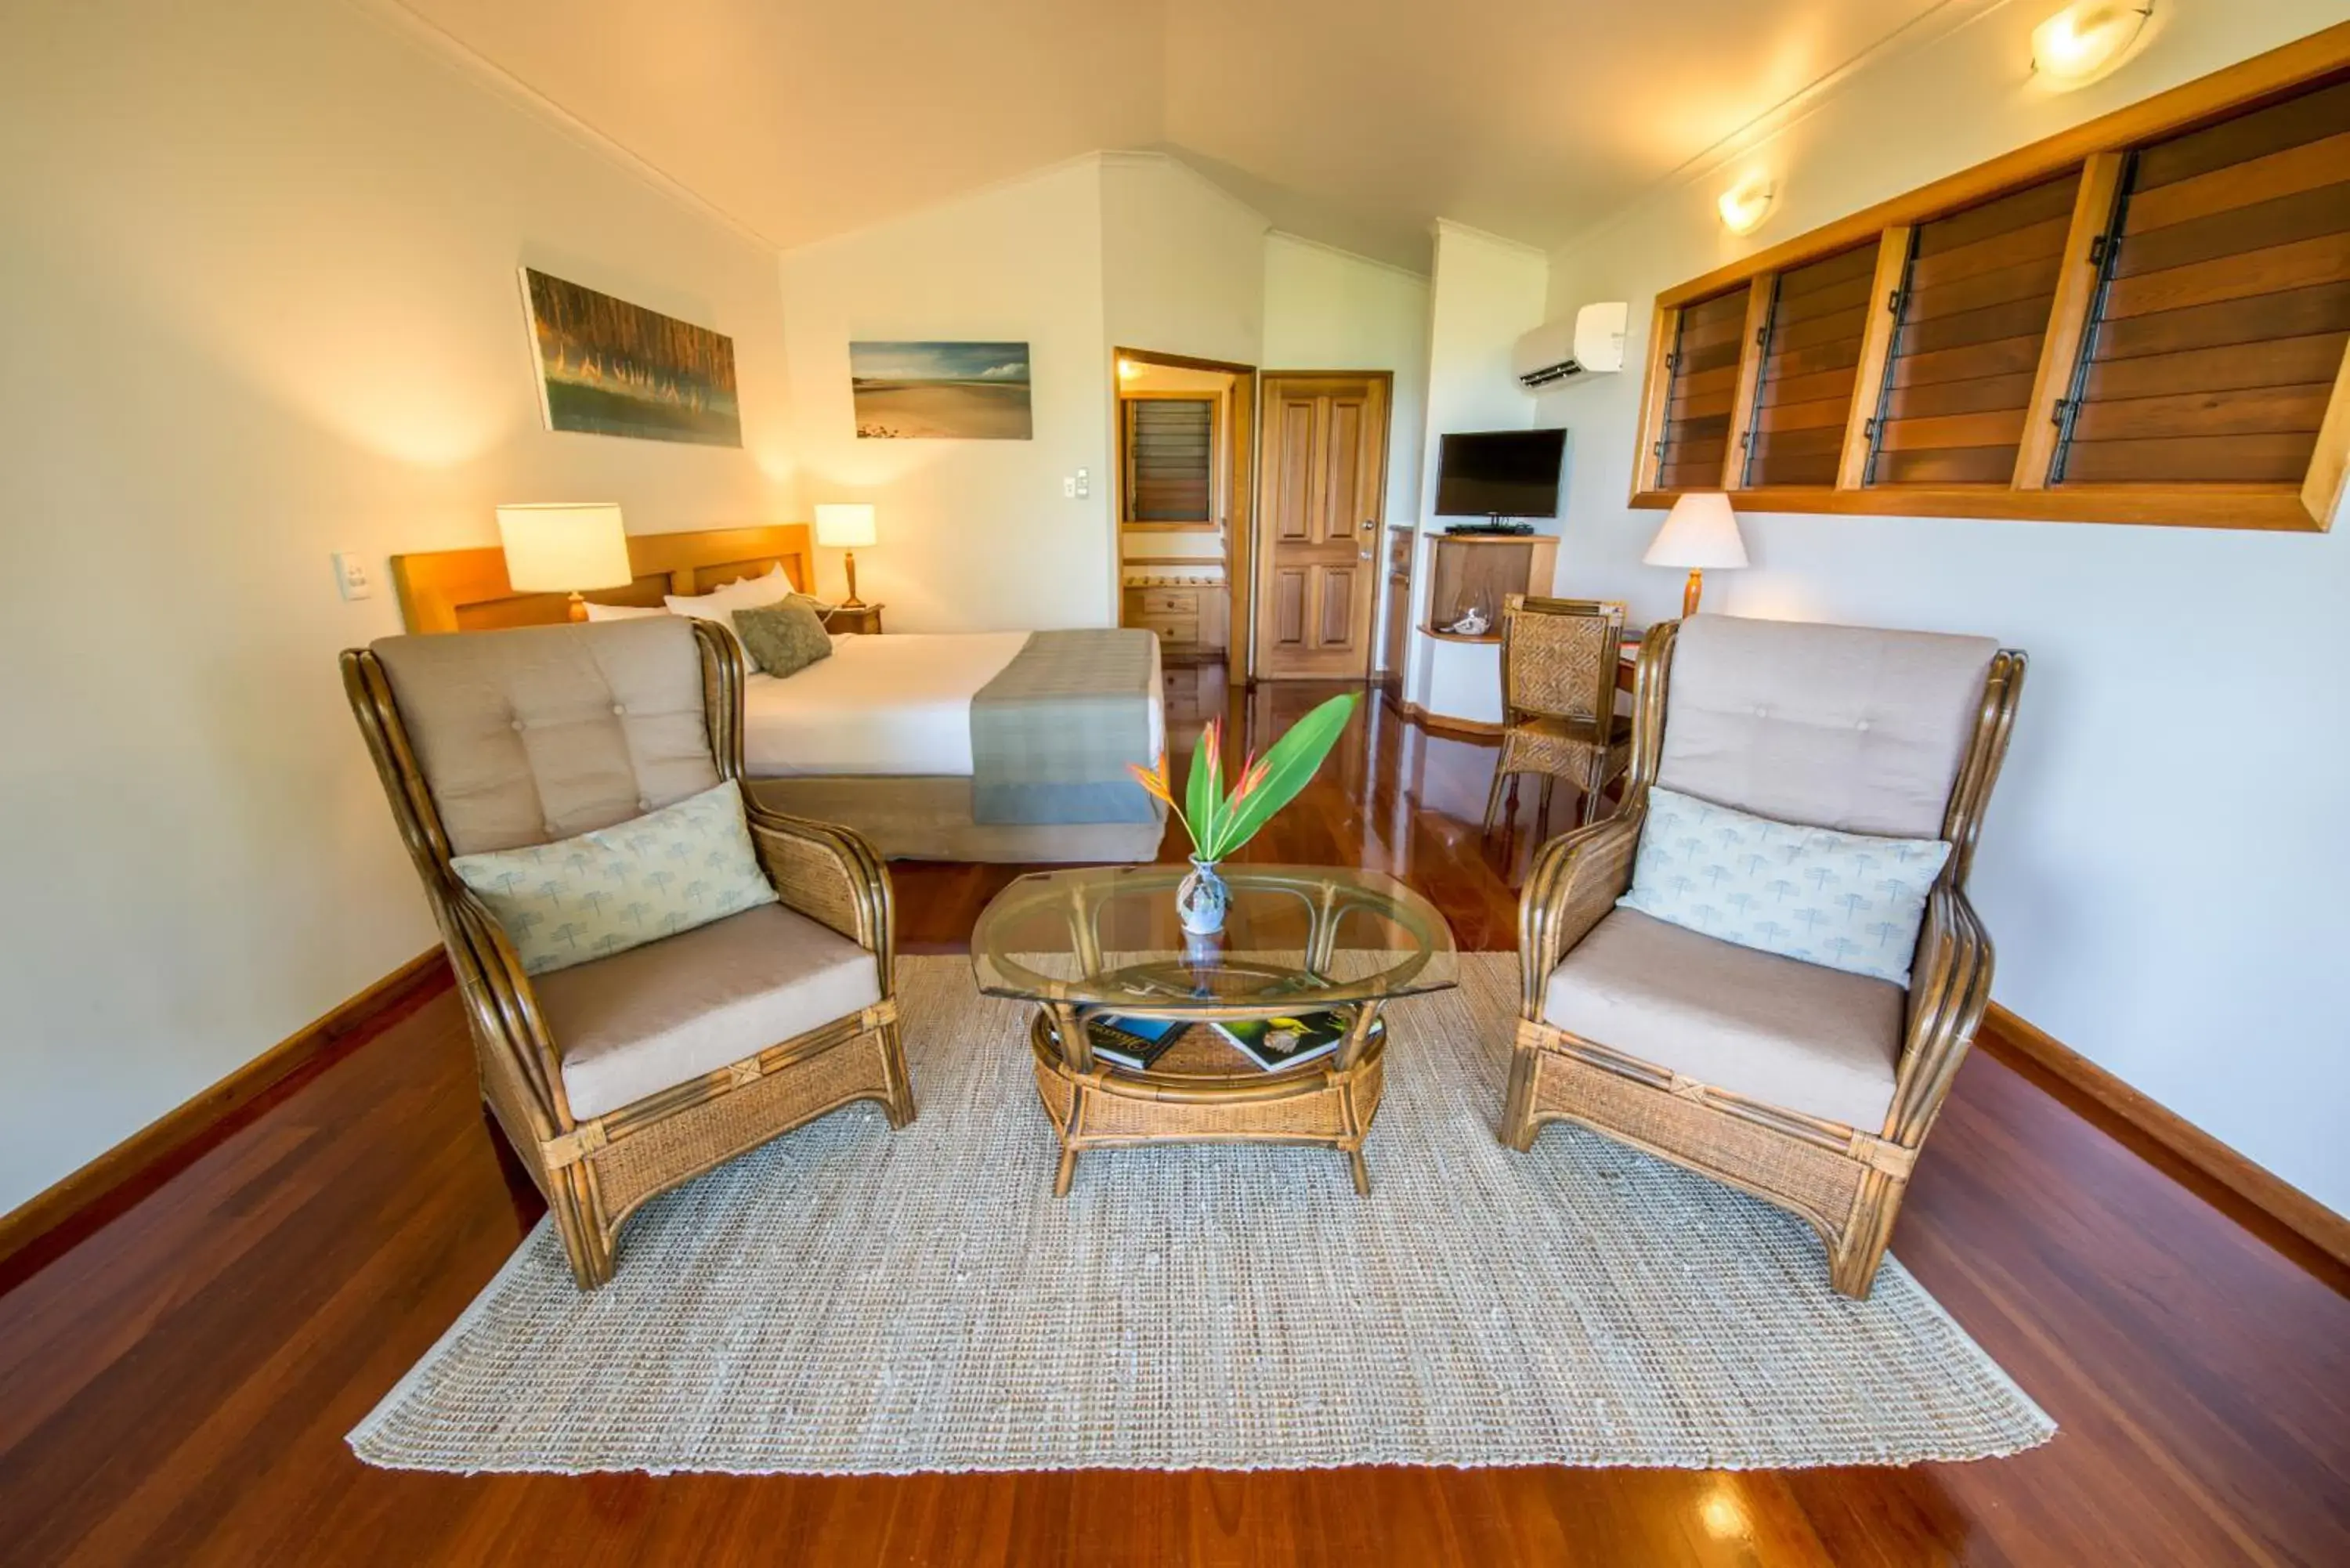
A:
(1069, 486)
(352, 577)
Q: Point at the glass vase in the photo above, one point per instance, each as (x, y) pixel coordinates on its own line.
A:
(1202, 898)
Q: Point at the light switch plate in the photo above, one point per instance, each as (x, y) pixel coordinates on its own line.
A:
(1084, 485)
(352, 577)
(1069, 486)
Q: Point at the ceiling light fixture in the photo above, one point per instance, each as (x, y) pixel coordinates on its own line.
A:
(1745, 205)
(2083, 40)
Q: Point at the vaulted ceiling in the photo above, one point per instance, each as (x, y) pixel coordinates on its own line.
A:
(1353, 121)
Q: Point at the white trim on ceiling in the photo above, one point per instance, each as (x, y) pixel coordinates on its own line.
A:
(944, 203)
(1298, 238)
(1142, 157)
(422, 30)
(1455, 226)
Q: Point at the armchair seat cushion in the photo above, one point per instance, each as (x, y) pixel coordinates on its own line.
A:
(1789, 1034)
(665, 1013)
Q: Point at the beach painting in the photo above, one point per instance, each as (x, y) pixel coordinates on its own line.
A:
(609, 367)
(932, 391)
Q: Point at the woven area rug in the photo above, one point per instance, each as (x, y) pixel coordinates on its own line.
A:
(848, 1301)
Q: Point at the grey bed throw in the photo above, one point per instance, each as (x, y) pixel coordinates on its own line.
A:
(1051, 736)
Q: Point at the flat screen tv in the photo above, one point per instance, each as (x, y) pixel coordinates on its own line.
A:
(1499, 473)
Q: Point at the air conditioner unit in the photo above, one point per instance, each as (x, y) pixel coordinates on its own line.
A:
(1591, 344)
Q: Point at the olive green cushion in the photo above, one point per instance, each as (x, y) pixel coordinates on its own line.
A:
(784, 639)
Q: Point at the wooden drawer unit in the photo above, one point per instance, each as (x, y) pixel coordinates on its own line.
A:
(1188, 620)
(1167, 602)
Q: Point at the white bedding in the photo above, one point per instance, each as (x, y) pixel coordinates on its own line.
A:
(898, 704)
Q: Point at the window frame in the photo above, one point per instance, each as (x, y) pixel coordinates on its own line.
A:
(2098, 151)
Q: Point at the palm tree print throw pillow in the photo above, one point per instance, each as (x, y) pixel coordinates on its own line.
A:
(1843, 900)
(563, 903)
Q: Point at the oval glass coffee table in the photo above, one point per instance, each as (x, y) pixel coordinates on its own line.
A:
(1102, 943)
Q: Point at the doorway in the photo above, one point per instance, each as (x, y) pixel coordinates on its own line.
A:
(1321, 492)
(1185, 434)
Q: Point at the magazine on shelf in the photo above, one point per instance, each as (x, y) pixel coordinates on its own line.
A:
(1133, 1043)
(1275, 1043)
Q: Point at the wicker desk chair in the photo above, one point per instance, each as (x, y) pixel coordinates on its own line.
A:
(1807, 1087)
(617, 1079)
(1558, 700)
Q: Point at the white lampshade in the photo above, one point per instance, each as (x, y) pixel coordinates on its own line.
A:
(1700, 532)
(844, 524)
(563, 546)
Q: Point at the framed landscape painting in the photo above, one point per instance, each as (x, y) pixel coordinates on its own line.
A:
(926, 391)
(609, 367)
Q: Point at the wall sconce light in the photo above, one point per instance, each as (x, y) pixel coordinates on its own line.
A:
(2081, 41)
(1745, 205)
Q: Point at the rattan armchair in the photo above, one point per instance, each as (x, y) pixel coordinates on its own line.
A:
(1793, 744)
(436, 713)
(1558, 700)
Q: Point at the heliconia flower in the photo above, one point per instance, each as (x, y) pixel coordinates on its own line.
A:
(1153, 779)
(1244, 780)
(1211, 742)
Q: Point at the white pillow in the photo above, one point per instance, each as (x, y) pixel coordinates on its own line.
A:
(1842, 899)
(622, 612)
(719, 604)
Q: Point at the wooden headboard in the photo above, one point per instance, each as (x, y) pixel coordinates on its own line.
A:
(466, 590)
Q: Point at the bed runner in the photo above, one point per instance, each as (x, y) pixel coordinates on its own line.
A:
(1051, 735)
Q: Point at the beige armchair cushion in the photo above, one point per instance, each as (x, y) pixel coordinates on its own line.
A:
(662, 1014)
(1836, 726)
(548, 731)
(1789, 1034)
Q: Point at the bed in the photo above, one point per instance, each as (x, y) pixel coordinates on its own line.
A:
(879, 736)
(882, 736)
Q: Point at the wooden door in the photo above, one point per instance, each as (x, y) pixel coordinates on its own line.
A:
(1321, 488)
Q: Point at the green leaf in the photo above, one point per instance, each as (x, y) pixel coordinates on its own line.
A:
(1293, 761)
(1204, 795)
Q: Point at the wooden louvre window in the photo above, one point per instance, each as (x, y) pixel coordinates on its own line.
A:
(2144, 318)
(2224, 307)
(1968, 323)
(1810, 365)
(1704, 382)
(1170, 460)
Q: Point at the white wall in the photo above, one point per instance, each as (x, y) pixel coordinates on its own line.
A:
(1183, 262)
(1489, 292)
(258, 284)
(1330, 309)
(974, 534)
(2162, 863)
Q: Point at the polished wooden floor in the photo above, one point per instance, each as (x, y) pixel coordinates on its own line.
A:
(176, 1387)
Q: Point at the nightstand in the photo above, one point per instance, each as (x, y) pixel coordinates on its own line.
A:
(866, 619)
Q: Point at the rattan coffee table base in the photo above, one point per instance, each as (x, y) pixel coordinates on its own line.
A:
(1321, 1104)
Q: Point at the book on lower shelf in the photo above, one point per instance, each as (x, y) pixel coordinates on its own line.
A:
(1133, 1043)
(1277, 1044)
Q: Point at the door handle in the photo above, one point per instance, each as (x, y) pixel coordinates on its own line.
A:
(1370, 525)
(1365, 553)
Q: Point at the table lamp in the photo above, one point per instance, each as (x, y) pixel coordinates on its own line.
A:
(565, 546)
(1701, 531)
(844, 525)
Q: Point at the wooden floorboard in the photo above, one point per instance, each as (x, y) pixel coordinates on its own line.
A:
(175, 1387)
